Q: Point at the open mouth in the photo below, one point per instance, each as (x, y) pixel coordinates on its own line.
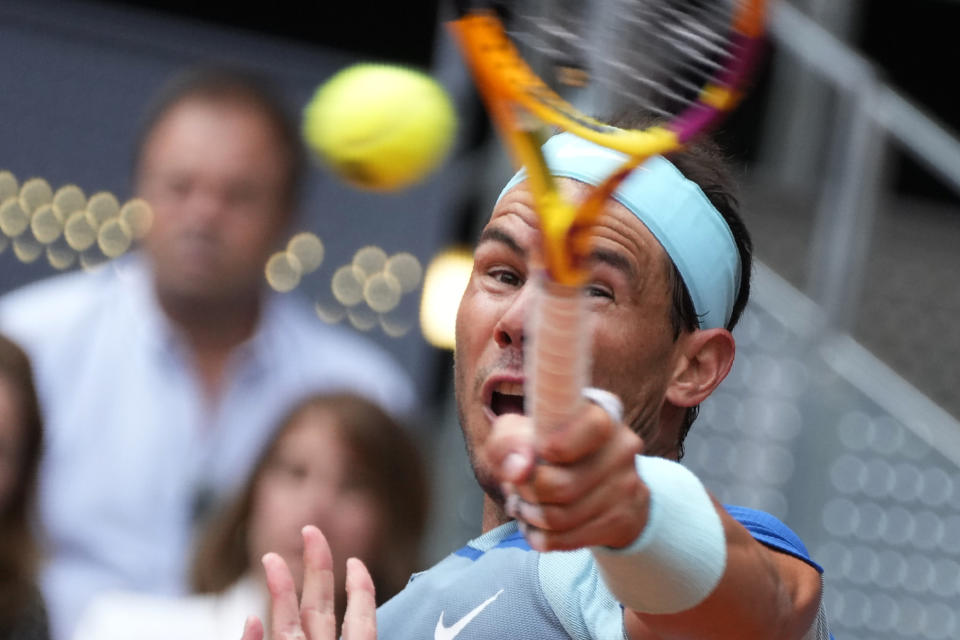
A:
(507, 397)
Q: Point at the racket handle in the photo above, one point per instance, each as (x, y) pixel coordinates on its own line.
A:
(557, 358)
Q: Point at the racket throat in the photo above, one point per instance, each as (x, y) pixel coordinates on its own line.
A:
(557, 355)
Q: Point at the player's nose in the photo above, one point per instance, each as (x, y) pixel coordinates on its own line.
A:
(509, 330)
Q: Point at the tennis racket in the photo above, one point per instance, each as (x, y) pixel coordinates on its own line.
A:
(685, 61)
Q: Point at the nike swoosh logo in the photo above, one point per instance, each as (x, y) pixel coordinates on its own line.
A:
(449, 633)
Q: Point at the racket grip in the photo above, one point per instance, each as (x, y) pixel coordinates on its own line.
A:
(557, 359)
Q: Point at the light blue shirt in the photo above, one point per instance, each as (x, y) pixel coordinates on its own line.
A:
(131, 441)
(498, 587)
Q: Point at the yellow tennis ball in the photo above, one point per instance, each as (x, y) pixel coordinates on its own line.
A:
(379, 126)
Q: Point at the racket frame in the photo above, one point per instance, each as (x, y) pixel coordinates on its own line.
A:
(520, 103)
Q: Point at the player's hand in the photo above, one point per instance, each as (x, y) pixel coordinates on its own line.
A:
(314, 618)
(574, 487)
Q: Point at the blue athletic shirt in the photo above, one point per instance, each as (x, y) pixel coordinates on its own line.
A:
(498, 587)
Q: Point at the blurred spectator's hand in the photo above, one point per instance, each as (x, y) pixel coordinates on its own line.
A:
(313, 617)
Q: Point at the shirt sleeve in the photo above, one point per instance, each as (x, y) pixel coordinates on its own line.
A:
(770, 531)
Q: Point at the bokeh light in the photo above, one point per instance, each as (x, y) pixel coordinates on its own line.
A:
(370, 260)
(367, 292)
(26, 248)
(347, 285)
(64, 224)
(101, 207)
(114, 237)
(78, 231)
(443, 286)
(67, 199)
(35, 193)
(382, 292)
(308, 250)
(283, 271)
(13, 219)
(60, 255)
(9, 187)
(46, 224)
(138, 214)
(406, 269)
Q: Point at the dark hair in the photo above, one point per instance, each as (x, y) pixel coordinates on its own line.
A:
(704, 163)
(229, 86)
(383, 450)
(18, 548)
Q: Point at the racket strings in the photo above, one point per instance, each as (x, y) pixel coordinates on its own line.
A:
(557, 46)
(655, 55)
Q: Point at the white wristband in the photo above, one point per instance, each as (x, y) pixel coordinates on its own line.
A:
(681, 554)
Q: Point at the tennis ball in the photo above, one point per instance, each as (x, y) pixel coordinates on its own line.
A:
(380, 127)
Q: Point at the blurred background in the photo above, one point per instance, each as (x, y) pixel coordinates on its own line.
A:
(841, 414)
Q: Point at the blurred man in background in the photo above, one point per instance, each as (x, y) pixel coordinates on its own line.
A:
(161, 376)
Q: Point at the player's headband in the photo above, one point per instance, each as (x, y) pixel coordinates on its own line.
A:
(674, 209)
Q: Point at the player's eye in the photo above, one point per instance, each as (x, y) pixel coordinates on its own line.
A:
(596, 290)
(506, 276)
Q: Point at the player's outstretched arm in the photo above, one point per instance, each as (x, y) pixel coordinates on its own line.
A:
(580, 487)
(761, 593)
(313, 618)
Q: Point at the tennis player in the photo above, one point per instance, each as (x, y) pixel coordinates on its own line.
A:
(595, 530)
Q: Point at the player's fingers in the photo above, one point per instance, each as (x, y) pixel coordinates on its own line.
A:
(553, 484)
(317, 613)
(509, 449)
(562, 484)
(252, 629)
(284, 611)
(586, 432)
(618, 491)
(612, 529)
(360, 620)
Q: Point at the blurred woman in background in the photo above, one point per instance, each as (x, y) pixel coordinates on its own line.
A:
(337, 462)
(22, 615)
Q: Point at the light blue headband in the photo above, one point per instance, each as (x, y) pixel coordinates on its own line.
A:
(673, 208)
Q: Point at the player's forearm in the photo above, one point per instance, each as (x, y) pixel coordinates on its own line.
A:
(694, 571)
(762, 594)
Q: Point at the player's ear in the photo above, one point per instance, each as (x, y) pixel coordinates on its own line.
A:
(704, 361)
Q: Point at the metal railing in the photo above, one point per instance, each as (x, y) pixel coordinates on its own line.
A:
(870, 116)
